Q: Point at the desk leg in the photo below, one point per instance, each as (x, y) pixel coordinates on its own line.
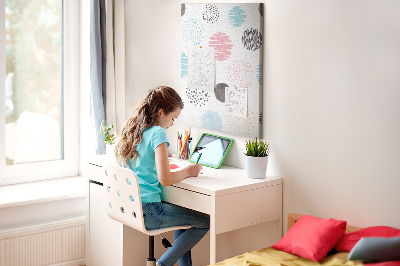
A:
(213, 247)
(213, 234)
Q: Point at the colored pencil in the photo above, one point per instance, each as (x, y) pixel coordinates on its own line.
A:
(198, 158)
(183, 146)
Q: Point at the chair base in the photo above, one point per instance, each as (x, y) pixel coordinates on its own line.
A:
(151, 262)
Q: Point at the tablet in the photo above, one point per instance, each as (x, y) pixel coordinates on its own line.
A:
(211, 149)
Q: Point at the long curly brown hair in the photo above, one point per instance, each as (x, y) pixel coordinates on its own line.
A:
(145, 116)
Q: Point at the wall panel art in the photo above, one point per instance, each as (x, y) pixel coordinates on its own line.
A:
(225, 93)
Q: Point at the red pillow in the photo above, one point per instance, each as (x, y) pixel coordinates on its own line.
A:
(349, 240)
(311, 237)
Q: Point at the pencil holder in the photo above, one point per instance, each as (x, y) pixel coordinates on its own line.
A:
(184, 148)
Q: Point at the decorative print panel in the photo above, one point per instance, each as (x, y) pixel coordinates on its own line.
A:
(235, 32)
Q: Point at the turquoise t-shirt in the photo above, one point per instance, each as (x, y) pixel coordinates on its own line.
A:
(145, 165)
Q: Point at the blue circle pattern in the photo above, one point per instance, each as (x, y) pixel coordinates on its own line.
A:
(259, 73)
(192, 31)
(236, 16)
(211, 120)
(184, 65)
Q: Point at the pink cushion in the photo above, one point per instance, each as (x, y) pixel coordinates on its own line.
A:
(349, 240)
(311, 237)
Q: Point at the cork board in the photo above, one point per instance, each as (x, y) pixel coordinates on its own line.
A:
(235, 33)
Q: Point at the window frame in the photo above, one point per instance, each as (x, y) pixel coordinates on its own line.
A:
(69, 165)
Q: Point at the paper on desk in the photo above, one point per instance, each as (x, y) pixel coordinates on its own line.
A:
(175, 168)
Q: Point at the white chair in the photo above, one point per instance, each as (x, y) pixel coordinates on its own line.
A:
(124, 204)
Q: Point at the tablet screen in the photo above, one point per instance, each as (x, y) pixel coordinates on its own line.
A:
(212, 149)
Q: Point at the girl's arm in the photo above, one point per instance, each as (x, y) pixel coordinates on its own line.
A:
(166, 177)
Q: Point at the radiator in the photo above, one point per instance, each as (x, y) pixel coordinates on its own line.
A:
(64, 246)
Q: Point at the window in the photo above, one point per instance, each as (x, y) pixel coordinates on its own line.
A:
(39, 94)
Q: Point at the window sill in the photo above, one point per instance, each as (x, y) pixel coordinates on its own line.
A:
(42, 191)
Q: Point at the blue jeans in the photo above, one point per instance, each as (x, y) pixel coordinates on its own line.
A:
(162, 214)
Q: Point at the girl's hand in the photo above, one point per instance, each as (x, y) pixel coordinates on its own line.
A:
(165, 176)
(193, 170)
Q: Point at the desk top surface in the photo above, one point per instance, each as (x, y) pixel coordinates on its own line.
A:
(214, 182)
(222, 181)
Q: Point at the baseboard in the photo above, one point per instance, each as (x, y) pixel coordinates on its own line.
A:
(71, 263)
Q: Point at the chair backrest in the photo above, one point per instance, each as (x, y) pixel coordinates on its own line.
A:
(123, 202)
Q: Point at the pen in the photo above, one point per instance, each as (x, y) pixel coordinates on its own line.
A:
(198, 158)
(198, 148)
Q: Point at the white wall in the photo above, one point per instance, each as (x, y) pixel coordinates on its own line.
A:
(331, 99)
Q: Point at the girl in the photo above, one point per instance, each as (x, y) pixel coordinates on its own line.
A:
(143, 148)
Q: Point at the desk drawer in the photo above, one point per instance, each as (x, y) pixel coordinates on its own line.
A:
(95, 172)
(237, 210)
(186, 198)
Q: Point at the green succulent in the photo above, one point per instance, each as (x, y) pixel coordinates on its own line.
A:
(257, 148)
(105, 130)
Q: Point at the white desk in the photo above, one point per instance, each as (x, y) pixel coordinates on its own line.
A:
(232, 201)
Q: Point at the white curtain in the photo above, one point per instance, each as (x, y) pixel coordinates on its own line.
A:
(97, 61)
(115, 68)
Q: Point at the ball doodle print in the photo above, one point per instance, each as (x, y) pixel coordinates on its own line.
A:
(192, 31)
(183, 9)
(222, 45)
(219, 91)
(184, 65)
(211, 120)
(252, 39)
(259, 73)
(239, 74)
(261, 9)
(211, 14)
(197, 97)
(236, 16)
(244, 126)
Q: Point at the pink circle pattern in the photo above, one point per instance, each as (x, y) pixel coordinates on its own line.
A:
(240, 74)
(221, 42)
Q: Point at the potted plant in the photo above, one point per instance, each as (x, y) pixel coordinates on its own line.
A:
(256, 158)
(108, 138)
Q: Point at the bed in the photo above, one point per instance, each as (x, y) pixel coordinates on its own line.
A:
(275, 256)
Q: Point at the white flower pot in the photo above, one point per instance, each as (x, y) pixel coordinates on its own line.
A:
(255, 167)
